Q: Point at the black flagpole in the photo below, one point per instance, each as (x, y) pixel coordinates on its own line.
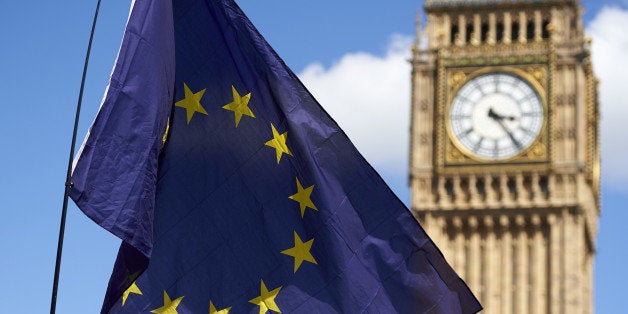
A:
(68, 182)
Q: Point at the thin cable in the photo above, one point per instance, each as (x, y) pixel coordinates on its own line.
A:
(68, 178)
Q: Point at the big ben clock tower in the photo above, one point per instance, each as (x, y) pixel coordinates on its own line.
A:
(504, 158)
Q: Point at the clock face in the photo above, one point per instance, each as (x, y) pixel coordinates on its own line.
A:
(496, 116)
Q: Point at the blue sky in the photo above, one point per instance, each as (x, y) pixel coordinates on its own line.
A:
(349, 53)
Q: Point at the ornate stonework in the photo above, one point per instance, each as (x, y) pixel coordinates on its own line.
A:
(448, 4)
(520, 230)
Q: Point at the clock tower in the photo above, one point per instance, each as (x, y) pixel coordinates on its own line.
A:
(504, 155)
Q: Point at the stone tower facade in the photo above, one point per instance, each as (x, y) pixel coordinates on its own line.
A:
(504, 156)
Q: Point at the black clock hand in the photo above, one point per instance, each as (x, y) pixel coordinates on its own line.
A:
(512, 137)
(510, 118)
(500, 120)
(492, 114)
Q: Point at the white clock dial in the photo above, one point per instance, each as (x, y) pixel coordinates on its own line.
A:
(496, 116)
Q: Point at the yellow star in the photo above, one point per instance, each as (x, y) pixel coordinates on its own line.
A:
(279, 143)
(300, 252)
(170, 306)
(266, 300)
(303, 197)
(191, 102)
(239, 106)
(132, 289)
(212, 309)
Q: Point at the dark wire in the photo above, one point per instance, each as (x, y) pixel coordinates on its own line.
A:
(68, 178)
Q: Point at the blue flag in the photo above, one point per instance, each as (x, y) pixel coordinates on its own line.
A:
(233, 190)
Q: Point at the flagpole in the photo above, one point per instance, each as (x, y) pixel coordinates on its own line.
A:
(68, 178)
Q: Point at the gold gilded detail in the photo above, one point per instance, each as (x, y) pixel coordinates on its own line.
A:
(536, 152)
(538, 73)
(454, 155)
(456, 79)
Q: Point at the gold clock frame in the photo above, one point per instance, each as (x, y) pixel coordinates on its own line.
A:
(454, 154)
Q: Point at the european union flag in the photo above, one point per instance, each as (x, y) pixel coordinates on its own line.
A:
(233, 190)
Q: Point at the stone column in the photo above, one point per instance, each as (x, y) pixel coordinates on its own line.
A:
(446, 30)
(443, 196)
(506, 266)
(573, 261)
(551, 185)
(477, 30)
(521, 290)
(537, 194)
(491, 272)
(539, 260)
(556, 267)
(523, 195)
(474, 260)
(538, 26)
(459, 195)
(523, 26)
(507, 28)
(462, 30)
(459, 248)
(474, 196)
(491, 196)
(504, 190)
(492, 29)
(446, 244)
